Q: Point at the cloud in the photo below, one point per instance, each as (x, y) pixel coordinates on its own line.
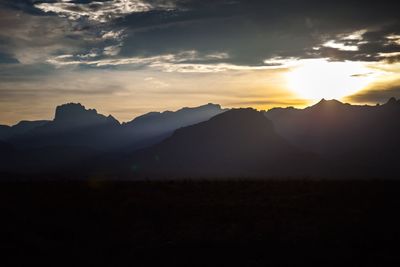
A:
(183, 62)
(179, 42)
(100, 12)
(393, 39)
(113, 35)
(247, 31)
(340, 46)
(112, 50)
(251, 31)
(206, 68)
(345, 41)
(36, 95)
(376, 44)
(354, 36)
(32, 39)
(281, 62)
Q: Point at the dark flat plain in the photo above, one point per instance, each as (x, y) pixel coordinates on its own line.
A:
(263, 223)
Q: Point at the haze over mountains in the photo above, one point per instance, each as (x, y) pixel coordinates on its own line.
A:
(329, 139)
(75, 125)
(236, 143)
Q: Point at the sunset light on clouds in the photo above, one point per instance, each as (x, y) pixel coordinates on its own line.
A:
(131, 57)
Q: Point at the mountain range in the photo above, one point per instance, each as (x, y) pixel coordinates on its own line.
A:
(329, 139)
(75, 125)
(361, 140)
(236, 143)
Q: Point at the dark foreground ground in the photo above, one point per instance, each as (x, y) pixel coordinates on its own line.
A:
(192, 223)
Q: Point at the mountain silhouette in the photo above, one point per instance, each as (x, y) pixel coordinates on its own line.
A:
(156, 122)
(331, 127)
(153, 127)
(355, 137)
(236, 143)
(77, 136)
(330, 139)
(73, 115)
(73, 124)
(71, 160)
(5, 147)
(4, 132)
(6, 151)
(20, 128)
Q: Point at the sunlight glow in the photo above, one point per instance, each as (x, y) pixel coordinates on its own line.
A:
(319, 78)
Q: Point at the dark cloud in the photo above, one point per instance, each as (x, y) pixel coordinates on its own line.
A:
(31, 39)
(250, 31)
(7, 59)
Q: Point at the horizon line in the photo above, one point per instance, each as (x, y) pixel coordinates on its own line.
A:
(194, 107)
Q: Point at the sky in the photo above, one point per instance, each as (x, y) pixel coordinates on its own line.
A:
(129, 57)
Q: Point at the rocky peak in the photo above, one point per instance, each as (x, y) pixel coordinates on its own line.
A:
(77, 114)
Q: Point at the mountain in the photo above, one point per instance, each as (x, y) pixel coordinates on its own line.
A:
(5, 147)
(4, 132)
(153, 127)
(236, 143)
(26, 126)
(73, 124)
(169, 120)
(6, 151)
(355, 137)
(331, 127)
(20, 128)
(71, 160)
(330, 139)
(78, 136)
(75, 115)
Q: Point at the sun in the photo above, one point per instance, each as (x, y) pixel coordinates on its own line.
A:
(315, 79)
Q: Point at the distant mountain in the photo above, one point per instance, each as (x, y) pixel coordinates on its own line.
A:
(75, 115)
(73, 124)
(236, 143)
(78, 137)
(153, 127)
(20, 128)
(157, 122)
(26, 126)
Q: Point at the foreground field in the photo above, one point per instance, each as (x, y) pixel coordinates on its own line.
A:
(284, 222)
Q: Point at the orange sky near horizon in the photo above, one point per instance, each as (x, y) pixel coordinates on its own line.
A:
(127, 94)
